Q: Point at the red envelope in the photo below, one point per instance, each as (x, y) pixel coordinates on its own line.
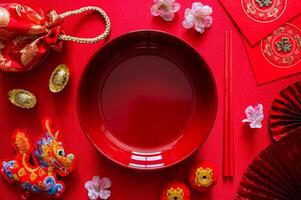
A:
(258, 18)
(279, 54)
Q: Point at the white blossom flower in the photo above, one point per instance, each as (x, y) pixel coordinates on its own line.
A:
(198, 16)
(165, 9)
(98, 188)
(254, 116)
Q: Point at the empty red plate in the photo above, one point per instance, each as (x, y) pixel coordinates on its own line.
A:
(147, 100)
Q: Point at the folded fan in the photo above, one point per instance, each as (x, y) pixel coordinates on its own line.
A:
(285, 114)
(275, 173)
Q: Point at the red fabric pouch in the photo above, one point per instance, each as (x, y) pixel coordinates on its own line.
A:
(27, 34)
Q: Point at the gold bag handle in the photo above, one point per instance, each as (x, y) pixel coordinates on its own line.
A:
(87, 40)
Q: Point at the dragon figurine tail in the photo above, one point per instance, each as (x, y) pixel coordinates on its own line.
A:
(22, 142)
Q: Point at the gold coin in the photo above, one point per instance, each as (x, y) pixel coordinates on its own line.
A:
(22, 98)
(59, 78)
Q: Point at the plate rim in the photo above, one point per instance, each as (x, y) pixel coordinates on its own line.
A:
(114, 160)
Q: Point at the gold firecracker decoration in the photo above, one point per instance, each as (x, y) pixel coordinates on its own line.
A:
(59, 78)
(22, 98)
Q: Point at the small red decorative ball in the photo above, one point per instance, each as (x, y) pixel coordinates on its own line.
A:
(175, 190)
(202, 177)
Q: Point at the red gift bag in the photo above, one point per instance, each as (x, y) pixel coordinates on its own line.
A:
(27, 34)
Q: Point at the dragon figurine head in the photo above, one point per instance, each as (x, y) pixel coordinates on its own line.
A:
(50, 152)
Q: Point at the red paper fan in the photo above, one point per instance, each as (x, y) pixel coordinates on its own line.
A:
(285, 115)
(276, 173)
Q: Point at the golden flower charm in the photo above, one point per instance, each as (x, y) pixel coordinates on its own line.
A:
(175, 190)
(59, 78)
(22, 98)
(203, 177)
(4, 17)
(175, 194)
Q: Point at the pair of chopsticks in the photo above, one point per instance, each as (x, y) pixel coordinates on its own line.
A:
(228, 143)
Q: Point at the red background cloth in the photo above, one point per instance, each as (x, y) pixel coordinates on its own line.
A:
(128, 184)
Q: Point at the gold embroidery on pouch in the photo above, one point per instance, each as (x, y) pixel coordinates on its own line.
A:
(4, 63)
(28, 53)
(1, 45)
(36, 29)
(19, 9)
(4, 17)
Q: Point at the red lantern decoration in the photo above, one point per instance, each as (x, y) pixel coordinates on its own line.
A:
(175, 190)
(202, 177)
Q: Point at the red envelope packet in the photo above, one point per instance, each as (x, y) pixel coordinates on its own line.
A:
(258, 18)
(279, 54)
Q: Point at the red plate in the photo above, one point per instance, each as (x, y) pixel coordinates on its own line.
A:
(147, 100)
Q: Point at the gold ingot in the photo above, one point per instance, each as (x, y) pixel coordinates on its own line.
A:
(59, 78)
(22, 98)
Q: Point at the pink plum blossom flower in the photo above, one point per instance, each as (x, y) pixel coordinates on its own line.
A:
(198, 16)
(165, 9)
(254, 116)
(98, 188)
